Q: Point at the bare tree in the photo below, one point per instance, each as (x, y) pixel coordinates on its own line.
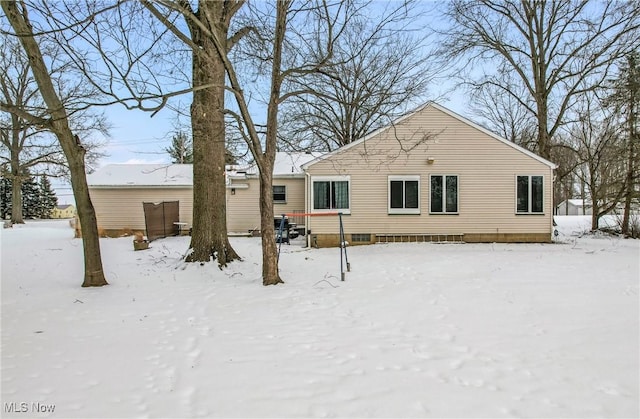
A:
(25, 146)
(134, 54)
(505, 115)
(597, 140)
(288, 42)
(379, 68)
(57, 121)
(625, 102)
(209, 237)
(558, 50)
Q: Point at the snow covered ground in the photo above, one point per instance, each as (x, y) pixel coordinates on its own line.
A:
(416, 330)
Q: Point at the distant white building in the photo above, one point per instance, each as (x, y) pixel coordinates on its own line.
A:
(574, 207)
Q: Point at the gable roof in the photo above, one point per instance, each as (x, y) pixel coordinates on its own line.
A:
(444, 110)
(137, 175)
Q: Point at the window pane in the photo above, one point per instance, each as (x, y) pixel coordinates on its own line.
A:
(321, 195)
(452, 194)
(340, 194)
(536, 194)
(522, 194)
(411, 194)
(396, 193)
(279, 193)
(436, 193)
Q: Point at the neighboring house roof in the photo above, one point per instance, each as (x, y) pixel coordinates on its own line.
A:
(442, 109)
(137, 175)
(285, 165)
(576, 202)
(63, 207)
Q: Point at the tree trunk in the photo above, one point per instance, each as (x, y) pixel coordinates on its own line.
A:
(16, 195)
(270, 274)
(595, 216)
(73, 150)
(16, 178)
(544, 149)
(209, 234)
(93, 272)
(595, 196)
(626, 218)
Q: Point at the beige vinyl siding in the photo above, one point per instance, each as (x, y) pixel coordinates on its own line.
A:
(486, 170)
(295, 195)
(118, 208)
(243, 207)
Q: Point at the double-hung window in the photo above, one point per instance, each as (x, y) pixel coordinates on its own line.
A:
(444, 194)
(529, 195)
(279, 194)
(404, 195)
(331, 193)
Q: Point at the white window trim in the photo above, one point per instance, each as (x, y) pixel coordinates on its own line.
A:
(402, 210)
(285, 194)
(515, 202)
(346, 178)
(444, 194)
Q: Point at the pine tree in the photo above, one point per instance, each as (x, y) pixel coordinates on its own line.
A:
(181, 150)
(48, 199)
(5, 198)
(30, 197)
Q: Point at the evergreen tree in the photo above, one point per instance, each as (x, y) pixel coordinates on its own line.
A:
(48, 199)
(30, 197)
(5, 198)
(181, 150)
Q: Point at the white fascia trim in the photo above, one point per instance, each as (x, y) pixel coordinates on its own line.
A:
(493, 135)
(365, 138)
(440, 108)
(238, 186)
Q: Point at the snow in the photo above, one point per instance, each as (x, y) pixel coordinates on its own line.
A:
(579, 202)
(142, 175)
(416, 330)
(285, 164)
(162, 175)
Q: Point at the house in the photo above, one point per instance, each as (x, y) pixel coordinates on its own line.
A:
(63, 211)
(431, 175)
(574, 207)
(118, 192)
